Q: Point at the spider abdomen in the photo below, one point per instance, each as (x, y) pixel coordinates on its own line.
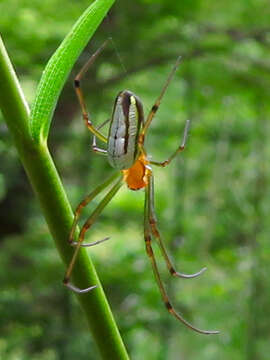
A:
(124, 130)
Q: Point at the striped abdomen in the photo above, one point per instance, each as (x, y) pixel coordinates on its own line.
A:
(124, 130)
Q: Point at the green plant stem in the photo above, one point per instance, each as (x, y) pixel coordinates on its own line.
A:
(46, 183)
(16, 111)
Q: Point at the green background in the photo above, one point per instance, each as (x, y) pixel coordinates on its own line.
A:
(212, 201)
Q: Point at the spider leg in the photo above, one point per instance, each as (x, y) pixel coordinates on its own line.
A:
(74, 243)
(150, 253)
(78, 290)
(79, 92)
(85, 202)
(155, 232)
(157, 102)
(94, 143)
(178, 150)
(90, 221)
(97, 149)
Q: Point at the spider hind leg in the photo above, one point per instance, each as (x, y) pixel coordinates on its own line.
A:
(90, 221)
(150, 253)
(153, 226)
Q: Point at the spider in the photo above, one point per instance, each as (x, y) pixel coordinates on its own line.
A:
(126, 153)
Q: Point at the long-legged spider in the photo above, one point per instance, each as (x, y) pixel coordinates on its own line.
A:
(126, 153)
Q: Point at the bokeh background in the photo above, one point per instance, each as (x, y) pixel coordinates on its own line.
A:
(213, 201)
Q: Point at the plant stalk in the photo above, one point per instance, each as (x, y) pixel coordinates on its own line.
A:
(47, 186)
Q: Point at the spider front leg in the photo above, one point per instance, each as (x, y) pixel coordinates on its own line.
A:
(79, 92)
(90, 221)
(155, 107)
(151, 115)
(150, 253)
(153, 225)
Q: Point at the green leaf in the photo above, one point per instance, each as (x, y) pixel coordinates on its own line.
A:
(60, 65)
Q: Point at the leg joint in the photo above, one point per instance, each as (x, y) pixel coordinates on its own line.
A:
(149, 251)
(141, 139)
(154, 108)
(168, 306)
(76, 83)
(83, 231)
(165, 163)
(86, 227)
(147, 239)
(148, 246)
(95, 148)
(81, 206)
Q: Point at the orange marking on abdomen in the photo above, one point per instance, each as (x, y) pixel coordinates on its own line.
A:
(136, 176)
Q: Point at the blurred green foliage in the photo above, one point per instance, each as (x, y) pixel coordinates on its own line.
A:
(213, 201)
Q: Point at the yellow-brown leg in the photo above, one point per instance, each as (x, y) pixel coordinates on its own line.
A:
(151, 115)
(158, 101)
(154, 229)
(150, 253)
(90, 221)
(85, 202)
(79, 92)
